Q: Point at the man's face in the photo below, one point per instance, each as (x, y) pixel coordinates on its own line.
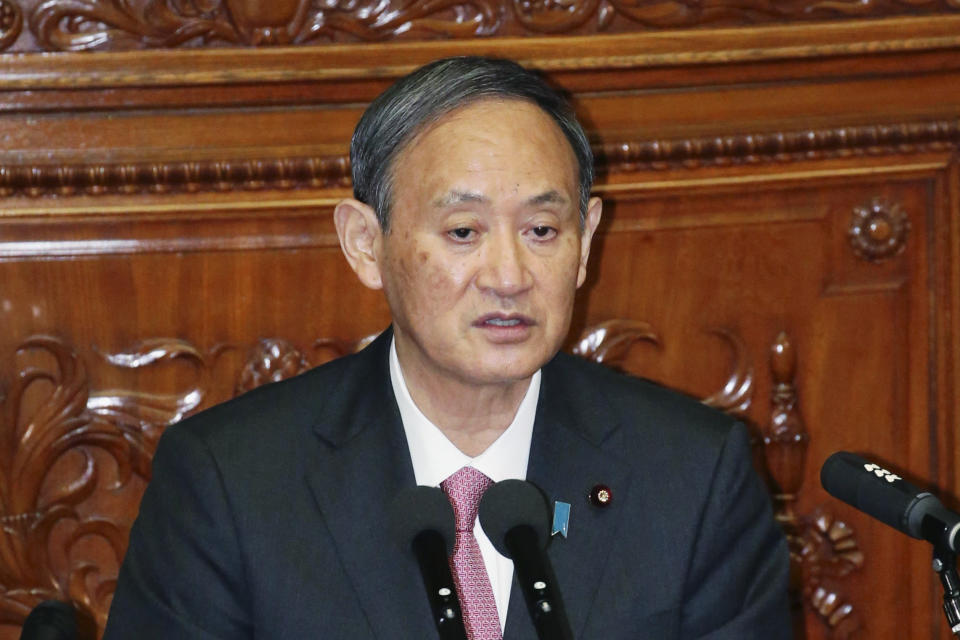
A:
(485, 249)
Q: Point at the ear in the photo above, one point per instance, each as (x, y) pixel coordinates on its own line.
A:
(590, 222)
(360, 240)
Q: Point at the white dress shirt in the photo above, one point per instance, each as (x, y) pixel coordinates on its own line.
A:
(435, 458)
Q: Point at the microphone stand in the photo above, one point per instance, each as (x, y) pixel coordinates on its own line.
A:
(945, 564)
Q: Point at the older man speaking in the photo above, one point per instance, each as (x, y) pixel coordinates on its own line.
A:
(266, 516)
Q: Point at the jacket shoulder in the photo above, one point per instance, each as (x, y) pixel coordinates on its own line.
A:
(640, 403)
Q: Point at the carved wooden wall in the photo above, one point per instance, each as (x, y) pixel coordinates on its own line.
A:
(780, 238)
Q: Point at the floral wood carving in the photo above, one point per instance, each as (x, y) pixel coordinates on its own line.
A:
(609, 343)
(133, 24)
(823, 550)
(71, 420)
(271, 360)
(828, 552)
(879, 230)
(75, 25)
(11, 23)
(102, 178)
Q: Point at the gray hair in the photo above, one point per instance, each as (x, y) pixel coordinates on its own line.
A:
(418, 100)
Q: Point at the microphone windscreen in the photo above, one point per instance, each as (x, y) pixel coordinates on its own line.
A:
(50, 620)
(513, 503)
(870, 488)
(418, 509)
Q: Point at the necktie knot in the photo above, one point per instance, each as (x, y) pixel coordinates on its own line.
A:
(464, 489)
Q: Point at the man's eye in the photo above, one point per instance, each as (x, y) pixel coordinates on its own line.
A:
(461, 233)
(543, 232)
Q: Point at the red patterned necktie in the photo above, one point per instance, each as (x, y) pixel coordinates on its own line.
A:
(464, 489)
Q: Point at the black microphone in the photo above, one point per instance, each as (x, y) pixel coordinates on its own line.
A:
(50, 620)
(884, 495)
(422, 520)
(515, 516)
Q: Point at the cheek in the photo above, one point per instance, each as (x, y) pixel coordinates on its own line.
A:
(419, 275)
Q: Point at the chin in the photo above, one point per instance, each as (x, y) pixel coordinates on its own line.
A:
(500, 371)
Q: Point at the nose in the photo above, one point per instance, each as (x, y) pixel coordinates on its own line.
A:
(505, 270)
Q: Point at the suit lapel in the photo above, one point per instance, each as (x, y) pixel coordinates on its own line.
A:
(362, 463)
(566, 461)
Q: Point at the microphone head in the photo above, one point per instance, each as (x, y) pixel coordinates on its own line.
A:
(513, 503)
(419, 509)
(50, 620)
(872, 489)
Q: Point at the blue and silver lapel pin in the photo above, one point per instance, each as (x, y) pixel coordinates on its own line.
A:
(561, 518)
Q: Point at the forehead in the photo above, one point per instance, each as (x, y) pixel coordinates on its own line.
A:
(485, 147)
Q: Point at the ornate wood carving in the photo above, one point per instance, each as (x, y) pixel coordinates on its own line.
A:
(609, 343)
(102, 178)
(785, 146)
(785, 439)
(271, 360)
(73, 420)
(76, 25)
(70, 422)
(11, 23)
(131, 178)
(737, 394)
(878, 230)
(823, 549)
(135, 24)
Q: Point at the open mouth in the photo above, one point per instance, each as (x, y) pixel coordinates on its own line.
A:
(500, 321)
(504, 322)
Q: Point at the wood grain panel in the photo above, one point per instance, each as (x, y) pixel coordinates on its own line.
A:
(780, 239)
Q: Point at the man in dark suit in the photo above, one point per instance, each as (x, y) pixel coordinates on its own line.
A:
(266, 515)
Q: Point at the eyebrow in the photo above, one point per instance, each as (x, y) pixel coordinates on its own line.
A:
(454, 198)
(548, 197)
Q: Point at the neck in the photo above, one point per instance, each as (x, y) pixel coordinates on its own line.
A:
(471, 416)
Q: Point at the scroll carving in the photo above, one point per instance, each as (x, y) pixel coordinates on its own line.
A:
(132, 24)
(11, 23)
(609, 343)
(878, 230)
(823, 549)
(737, 394)
(334, 170)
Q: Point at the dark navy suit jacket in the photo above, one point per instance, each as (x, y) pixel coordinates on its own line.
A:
(265, 516)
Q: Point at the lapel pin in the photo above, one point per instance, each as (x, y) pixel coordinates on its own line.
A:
(601, 495)
(561, 518)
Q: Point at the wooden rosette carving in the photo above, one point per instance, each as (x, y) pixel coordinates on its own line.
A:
(11, 23)
(878, 230)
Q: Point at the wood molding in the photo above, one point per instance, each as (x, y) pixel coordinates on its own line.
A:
(384, 62)
(333, 171)
(76, 25)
